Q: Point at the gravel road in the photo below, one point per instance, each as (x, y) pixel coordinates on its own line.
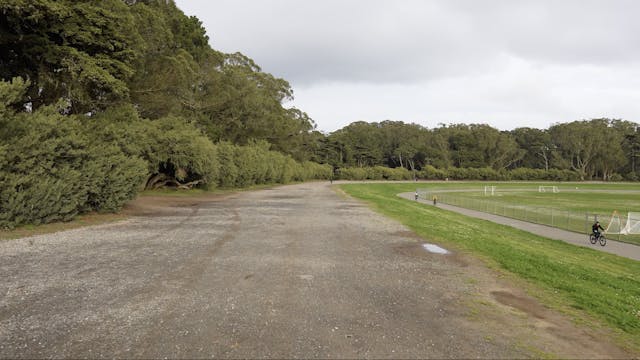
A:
(297, 271)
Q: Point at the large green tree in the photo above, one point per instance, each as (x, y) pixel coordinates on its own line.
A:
(587, 147)
(480, 145)
(537, 146)
(78, 52)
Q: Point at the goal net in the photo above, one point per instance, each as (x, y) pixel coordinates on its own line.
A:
(633, 224)
(617, 225)
(489, 190)
(547, 188)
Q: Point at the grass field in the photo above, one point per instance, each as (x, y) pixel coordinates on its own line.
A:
(574, 208)
(593, 287)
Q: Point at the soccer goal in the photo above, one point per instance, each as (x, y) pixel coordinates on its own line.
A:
(489, 190)
(546, 188)
(633, 224)
(618, 225)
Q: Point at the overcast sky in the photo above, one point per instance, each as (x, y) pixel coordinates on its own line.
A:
(506, 63)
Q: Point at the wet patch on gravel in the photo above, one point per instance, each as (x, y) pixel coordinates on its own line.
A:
(432, 248)
(419, 249)
(526, 305)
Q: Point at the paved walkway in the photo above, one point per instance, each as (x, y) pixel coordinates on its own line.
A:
(614, 247)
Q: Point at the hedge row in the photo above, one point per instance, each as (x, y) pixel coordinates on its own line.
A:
(374, 173)
(53, 167)
(431, 173)
(50, 170)
(175, 149)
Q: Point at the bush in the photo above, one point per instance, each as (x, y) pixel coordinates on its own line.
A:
(429, 172)
(228, 168)
(175, 151)
(396, 174)
(352, 173)
(53, 169)
(312, 170)
(528, 174)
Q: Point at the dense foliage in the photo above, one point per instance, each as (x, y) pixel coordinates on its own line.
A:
(100, 99)
(51, 168)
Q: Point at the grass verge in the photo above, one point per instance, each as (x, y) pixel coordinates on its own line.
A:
(577, 280)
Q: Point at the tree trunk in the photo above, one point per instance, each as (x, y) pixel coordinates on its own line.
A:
(162, 180)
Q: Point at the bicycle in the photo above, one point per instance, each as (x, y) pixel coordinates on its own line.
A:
(598, 238)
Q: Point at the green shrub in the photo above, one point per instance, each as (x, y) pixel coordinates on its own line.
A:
(53, 169)
(175, 151)
(228, 168)
(429, 172)
(122, 178)
(352, 173)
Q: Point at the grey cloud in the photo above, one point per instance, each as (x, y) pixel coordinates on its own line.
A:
(413, 41)
(505, 62)
(567, 31)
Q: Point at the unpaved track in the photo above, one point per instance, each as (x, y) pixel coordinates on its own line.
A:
(296, 271)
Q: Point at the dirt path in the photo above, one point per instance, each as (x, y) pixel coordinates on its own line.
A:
(293, 272)
(613, 247)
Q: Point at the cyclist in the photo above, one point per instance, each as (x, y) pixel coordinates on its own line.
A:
(595, 228)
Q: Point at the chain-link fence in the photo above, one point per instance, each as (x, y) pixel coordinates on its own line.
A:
(575, 221)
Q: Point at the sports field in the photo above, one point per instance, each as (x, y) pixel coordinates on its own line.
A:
(596, 288)
(570, 206)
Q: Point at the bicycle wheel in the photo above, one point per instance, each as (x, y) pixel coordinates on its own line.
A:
(603, 240)
(593, 239)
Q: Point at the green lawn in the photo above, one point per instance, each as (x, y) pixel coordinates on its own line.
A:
(583, 282)
(574, 208)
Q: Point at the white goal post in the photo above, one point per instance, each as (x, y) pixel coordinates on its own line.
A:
(633, 224)
(489, 190)
(630, 227)
(548, 188)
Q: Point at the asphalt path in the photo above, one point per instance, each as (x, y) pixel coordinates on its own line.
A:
(613, 247)
(298, 271)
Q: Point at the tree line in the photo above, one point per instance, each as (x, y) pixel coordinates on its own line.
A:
(101, 99)
(596, 149)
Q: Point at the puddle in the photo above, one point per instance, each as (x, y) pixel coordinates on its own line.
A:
(434, 249)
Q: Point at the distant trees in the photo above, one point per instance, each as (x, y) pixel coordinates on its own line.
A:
(602, 149)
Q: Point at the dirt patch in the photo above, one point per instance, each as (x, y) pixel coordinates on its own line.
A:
(527, 305)
(159, 205)
(497, 305)
(502, 304)
(411, 249)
